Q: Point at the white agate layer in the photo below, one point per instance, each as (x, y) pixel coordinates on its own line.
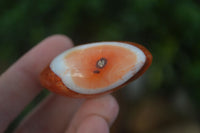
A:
(59, 67)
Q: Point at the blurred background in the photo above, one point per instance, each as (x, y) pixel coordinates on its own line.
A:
(166, 99)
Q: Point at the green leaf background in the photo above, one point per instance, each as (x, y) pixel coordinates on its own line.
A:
(170, 29)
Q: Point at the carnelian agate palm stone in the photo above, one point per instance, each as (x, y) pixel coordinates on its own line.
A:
(94, 69)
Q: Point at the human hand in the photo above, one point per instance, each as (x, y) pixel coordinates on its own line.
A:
(56, 114)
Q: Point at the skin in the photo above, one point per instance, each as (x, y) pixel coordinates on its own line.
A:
(56, 114)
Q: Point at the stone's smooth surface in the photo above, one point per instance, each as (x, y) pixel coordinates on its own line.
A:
(96, 68)
(118, 61)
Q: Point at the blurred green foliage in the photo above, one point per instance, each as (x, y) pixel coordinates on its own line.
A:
(170, 29)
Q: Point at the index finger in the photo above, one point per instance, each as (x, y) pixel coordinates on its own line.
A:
(20, 84)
